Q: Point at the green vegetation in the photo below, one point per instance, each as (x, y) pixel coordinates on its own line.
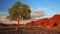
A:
(31, 28)
(19, 10)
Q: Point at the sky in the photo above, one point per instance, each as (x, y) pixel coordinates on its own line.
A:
(48, 7)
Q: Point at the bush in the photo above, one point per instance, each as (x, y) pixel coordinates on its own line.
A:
(31, 28)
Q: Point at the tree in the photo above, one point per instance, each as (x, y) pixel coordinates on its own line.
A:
(27, 11)
(19, 9)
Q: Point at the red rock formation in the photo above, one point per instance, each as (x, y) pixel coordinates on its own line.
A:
(52, 22)
(42, 22)
(55, 19)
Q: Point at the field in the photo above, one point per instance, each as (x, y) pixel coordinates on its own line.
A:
(27, 30)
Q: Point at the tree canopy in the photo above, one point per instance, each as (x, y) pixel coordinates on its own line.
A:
(19, 10)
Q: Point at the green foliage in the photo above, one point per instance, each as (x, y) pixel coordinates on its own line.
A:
(19, 9)
(31, 28)
(14, 24)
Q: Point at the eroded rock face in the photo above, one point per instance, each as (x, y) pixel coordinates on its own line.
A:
(52, 22)
(55, 20)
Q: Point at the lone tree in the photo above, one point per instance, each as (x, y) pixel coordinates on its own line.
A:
(19, 10)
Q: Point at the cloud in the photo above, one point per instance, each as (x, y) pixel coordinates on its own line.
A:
(3, 13)
(37, 14)
(43, 9)
(40, 9)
